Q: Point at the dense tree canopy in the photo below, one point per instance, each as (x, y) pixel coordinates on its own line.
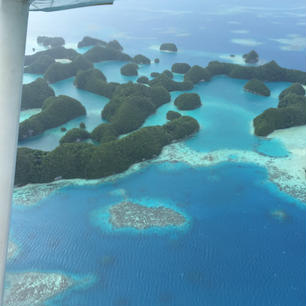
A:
(35, 93)
(257, 87)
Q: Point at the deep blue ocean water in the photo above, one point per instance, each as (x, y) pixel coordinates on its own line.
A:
(233, 251)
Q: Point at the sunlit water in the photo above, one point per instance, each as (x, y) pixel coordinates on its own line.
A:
(232, 251)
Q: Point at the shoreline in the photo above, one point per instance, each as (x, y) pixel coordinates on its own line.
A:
(287, 173)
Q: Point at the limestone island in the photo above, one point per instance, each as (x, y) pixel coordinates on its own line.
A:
(55, 111)
(257, 87)
(171, 115)
(55, 53)
(40, 65)
(59, 71)
(143, 80)
(75, 135)
(168, 47)
(89, 41)
(295, 88)
(251, 57)
(107, 53)
(141, 60)
(180, 68)
(130, 69)
(33, 288)
(35, 93)
(188, 101)
(156, 60)
(291, 111)
(51, 42)
(89, 161)
(140, 217)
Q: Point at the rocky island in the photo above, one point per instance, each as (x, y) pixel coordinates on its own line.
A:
(141, 59)
(291, 111)
(171, 115)
(51, 42)
(88, 161)
(257, 87)
(130, 69)
(180, 68)
(35, 93)
(140, 217)
(251, 57)
(170, 47)
(58, 71)
(188, 101)
(40, 65)
(55, 111)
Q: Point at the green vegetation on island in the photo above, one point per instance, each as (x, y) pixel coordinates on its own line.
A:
(35, 93)
(51, 42)
(188, 101)
(100, 54)
(94, 80)
(257, 87)
(40, 65)
(180, 68)
(270, 72)
(165, 81)
(295, 88)
(197, 74)
(130, 69)
(131, 104)
(156, 60)
(115, 45)
(55, 53)
(59, 71)
(168, 47)
(89, 41)
(75, 135)
(291, 111)
(251, 57)
(143, 80)
(55, 111)
(171, 115)
(104, 132)
(83, 160)
(141, 59)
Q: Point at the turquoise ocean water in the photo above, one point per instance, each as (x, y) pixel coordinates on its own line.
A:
(232, 251)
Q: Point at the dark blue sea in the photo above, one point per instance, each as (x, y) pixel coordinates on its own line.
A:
(232, 251)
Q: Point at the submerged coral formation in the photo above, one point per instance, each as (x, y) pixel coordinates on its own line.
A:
(140, 217)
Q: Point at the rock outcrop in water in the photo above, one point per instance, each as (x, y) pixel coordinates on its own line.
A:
(130, 69)
(168, 47)
(180, 68)
(188, 101)
(171, 115)
(51, 42)
(55, 111)
(35, 93)
(251, 57)
(257, 87)
(140, 217)
(141, 59)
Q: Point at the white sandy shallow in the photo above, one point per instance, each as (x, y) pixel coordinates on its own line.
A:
(288, 173)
